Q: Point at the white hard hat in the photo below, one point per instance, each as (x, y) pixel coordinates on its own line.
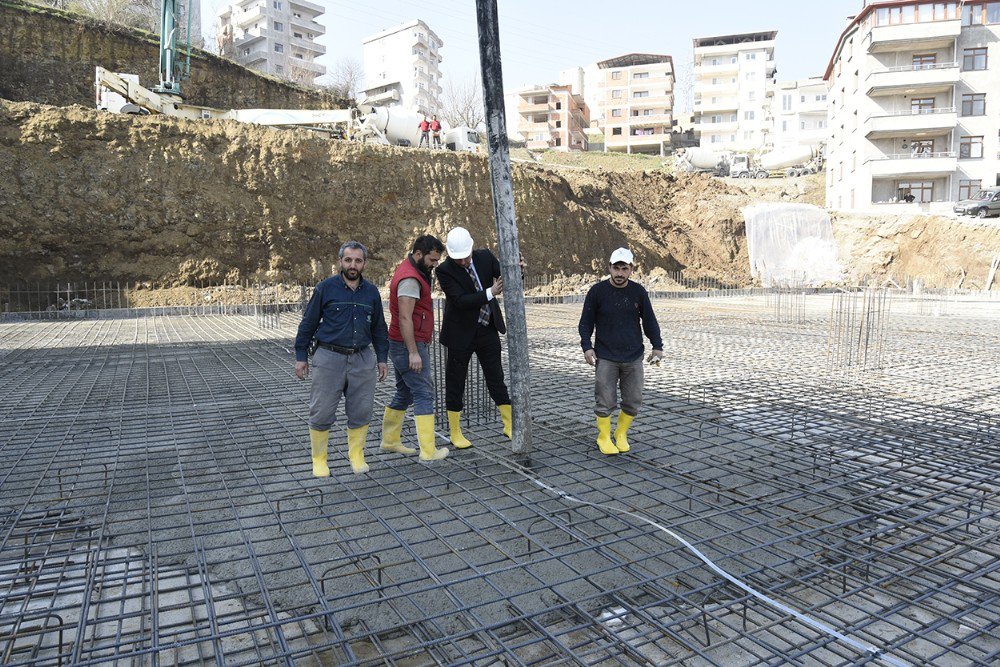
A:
(620, 255)
(459, 243)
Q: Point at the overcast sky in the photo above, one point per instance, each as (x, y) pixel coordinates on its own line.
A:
(538, 38)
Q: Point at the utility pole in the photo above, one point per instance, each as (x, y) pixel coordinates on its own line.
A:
(503, 210)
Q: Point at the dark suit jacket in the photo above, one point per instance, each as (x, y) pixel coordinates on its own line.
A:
(463, 301)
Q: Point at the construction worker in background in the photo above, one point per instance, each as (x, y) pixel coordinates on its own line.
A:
(425, 128)
(345, 318)
(410, 332)
(616, 307)
(436, 131)
(473, 322)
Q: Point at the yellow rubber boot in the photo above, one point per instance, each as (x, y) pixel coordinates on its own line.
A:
(604, 436)
(356, 449)
(319, 440)
(392, 427)
(506, 417)
(458, 440)
(624, 421)
(425, 436)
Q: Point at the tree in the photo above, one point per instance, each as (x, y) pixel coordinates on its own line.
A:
(345, 79)
(463, 103)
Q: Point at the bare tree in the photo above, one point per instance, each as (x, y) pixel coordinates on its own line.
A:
(463, 103)
(345, 79)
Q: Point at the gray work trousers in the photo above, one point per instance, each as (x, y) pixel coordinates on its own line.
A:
(336, 375)
(609, 376)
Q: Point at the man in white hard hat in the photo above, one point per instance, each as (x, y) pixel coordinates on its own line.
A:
(472, 324)
(617, 307)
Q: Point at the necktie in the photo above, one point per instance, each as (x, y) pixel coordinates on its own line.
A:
(484, 312)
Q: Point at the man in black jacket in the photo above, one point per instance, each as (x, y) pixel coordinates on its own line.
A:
(472, 324)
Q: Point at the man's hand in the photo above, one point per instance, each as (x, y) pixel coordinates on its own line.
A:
(416, 363)
(383, 371)
(655, 357)
(591, 357)
(302, 369)
(497, 286)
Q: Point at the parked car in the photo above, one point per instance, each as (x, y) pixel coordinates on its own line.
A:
(983, 204)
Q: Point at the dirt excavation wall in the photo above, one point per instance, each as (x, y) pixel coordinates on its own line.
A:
(92, 195)
(49, 56)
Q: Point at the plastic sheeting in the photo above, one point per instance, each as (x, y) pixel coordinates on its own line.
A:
(791, 245)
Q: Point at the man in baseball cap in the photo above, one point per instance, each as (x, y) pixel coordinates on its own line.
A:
(620, 311)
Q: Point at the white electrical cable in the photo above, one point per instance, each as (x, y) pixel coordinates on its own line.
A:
(818, 625)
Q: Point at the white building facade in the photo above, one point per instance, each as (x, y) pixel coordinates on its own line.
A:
(732, 77)
(403, 67)
(798, 110)
(914, 106)
(276, 37)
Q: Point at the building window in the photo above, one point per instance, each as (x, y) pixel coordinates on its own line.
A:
(278, 26)
(751, 96)
(616, 131)
(981, 13)
(640, 93)
(802, 125)
(750, 76)
(278, 69)
(276, 4)
(922, 191)
(921, 105)
(974, 104)
(558, 141)
(558, 123)
(968, 187)
(716, 139)
(802, 99)
(616, 93)
(748, 134)
(297, 35)
(924, 60)
(616, 113)
(750, 56)
(922, 148)
(974, 59)
(246, 52)
(970, 147)
(748, 115)
(641, 75)
(279, 48)
(786, 102)
(558, 105)
(616, 75)
(784, 126)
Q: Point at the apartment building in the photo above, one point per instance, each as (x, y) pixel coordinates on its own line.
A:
(274, 36)
(637, 102)
(732, 78)
(798, 113)
(403, 67)
(553, 117)
(914, 105)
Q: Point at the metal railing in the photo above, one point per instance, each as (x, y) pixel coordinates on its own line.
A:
(912, 112)
(913, 68)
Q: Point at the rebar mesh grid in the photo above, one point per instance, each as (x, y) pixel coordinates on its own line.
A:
(158, 508)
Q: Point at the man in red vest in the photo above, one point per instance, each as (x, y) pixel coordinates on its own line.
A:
(425, 137)
(435, 132)
(410, 333)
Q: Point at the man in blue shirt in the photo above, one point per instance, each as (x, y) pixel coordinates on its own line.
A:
(616, 307)
(345, 317)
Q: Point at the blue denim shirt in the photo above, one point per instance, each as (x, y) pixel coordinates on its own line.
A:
(338, 315)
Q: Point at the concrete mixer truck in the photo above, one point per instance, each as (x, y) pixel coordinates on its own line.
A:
(794, 161)
(401, 127)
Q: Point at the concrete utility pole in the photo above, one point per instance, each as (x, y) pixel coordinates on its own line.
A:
(503, 209)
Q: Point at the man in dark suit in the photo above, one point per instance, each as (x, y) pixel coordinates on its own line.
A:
(472, 324)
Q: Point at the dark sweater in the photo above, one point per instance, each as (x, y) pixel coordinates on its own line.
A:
(616, 312)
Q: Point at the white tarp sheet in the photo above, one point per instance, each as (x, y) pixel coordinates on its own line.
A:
(791, 245)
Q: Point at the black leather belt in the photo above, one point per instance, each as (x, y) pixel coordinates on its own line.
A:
(339, 349)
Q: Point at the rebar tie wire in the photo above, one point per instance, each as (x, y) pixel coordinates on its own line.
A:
(808, 620)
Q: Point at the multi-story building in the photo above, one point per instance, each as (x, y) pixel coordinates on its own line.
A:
(403, 67)
(274, 36)
(554, 117)
(914, 97)
(798, 110)
(637, 103)
(732, 77)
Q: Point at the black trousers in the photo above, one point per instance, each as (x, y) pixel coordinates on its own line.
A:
(486, 347)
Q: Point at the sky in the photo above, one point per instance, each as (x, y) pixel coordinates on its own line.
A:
(539, 38)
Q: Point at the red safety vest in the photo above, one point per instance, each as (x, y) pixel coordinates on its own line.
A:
(435, 126)
(423, 310)
(424, 126)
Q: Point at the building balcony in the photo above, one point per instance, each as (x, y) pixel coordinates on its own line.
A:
(936, 78)
(254, 58)
(658, 81)
(651, 101)
(932, 122)
(307, 45)
(651, 119)
(927, 165)
(307, 25)
(706, 70)
(250, 39)
(636, 139)
(720, 104)
(727, 126)
(533, 108)
(535, 128)
(914, 36)
(307, 65)
(709, 89)
(303, 5)
(247, 19)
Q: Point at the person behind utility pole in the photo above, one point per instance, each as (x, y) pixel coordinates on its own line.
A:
(473, 322)
(410, 334)
(425, 128)
(345, 318)
(436, 131)
(616, 307)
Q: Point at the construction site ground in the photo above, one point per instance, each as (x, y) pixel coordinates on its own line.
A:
(792, 496)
